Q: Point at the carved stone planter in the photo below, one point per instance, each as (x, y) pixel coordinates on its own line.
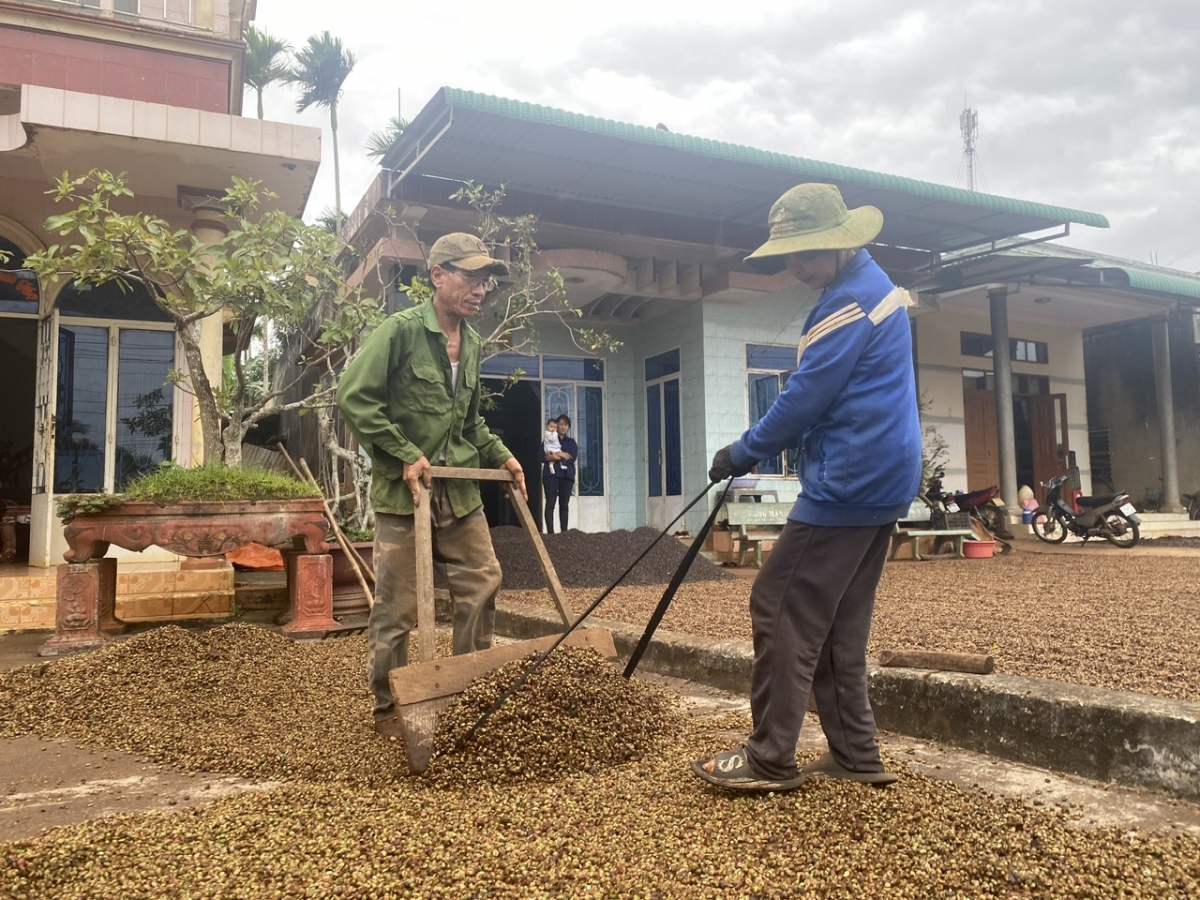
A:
(86, 593)
(198, 528)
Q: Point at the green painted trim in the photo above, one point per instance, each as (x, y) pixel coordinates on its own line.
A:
(640, 134)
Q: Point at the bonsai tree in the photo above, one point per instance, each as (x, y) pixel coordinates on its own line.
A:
(270, 265)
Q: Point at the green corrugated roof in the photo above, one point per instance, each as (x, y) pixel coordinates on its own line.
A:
(546, 115)
(1141, 276)
(1145, 279)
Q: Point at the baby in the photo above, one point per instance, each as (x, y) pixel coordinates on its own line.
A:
(550, 444)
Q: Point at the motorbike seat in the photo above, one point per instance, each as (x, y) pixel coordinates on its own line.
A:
(1097, 500)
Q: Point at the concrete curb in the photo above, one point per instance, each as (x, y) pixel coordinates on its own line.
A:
(1130, 739)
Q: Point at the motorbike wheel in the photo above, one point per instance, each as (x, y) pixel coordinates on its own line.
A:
(995, 521)
(1047, 527)
(1120, 531)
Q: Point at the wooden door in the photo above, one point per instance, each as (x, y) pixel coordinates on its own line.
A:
(983, 444)
(1048, 424)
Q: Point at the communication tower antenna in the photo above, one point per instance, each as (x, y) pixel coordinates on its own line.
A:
(968, 121)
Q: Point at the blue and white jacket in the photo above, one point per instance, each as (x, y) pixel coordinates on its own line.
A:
(851, 404)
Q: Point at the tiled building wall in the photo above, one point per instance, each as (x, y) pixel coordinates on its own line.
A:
(113, 70)
(146, 592)
(776, 319)
(683, 330)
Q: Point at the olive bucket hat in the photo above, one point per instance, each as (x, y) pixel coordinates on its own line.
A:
(466, 252)
(814, 217)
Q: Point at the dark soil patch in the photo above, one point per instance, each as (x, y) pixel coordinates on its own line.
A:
(595, 560)
(1173, 541)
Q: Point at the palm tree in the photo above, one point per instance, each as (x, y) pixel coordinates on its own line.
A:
(264, 66)
(380, 142)
(320, 69)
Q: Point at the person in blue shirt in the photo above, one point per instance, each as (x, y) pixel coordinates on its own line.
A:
(558, 475)
(851, 406)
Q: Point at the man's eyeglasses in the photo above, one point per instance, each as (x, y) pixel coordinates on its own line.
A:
(487, 282)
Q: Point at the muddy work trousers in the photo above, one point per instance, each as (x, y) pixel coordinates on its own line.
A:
(464, 548)
(810, 609)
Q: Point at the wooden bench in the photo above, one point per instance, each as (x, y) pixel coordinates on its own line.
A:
(755, 523)
(916, 525)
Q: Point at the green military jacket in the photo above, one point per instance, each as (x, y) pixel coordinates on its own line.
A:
(396, 396)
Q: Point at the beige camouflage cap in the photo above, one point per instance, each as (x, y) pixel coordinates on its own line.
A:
(466, 252)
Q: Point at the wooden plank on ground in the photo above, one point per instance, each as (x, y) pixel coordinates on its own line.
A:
(973, 663)
(451, 675)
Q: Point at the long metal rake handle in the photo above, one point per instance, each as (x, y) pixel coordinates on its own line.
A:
(676, 580)
(537, 663)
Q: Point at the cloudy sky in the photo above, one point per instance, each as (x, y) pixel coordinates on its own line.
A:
(1093, 104)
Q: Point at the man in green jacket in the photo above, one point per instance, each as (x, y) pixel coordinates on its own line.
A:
(411, 395)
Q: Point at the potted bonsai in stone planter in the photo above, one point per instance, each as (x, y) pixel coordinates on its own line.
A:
(202, 512)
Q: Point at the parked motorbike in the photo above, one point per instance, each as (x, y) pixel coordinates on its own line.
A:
(1110, 516)
(980, 504)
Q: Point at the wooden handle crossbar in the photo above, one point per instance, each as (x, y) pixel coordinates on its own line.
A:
(423, 533)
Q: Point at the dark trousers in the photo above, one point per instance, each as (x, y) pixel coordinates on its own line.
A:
(556, 490)
(810, 609)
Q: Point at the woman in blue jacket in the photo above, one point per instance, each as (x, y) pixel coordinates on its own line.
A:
(851, 406)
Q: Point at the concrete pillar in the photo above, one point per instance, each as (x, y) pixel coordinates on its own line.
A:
(209, 227)
(1002, 372)
(1160, 335)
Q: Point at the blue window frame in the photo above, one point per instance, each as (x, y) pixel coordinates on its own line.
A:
(589, 435)
(654, 438)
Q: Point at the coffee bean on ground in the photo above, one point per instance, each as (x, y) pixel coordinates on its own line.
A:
(575, 713)
(596, 560)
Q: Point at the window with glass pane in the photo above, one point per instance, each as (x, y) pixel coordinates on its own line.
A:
(571, 368)
(558, 399)
(589, 434)
(145, 403)
(505, 364)
(81, 418)
(763, 387)
(662, 365)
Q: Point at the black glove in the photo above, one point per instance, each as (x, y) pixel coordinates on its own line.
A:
(723, 467)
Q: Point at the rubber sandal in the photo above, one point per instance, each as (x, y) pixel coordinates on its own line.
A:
(731, 770)
(831, 768)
